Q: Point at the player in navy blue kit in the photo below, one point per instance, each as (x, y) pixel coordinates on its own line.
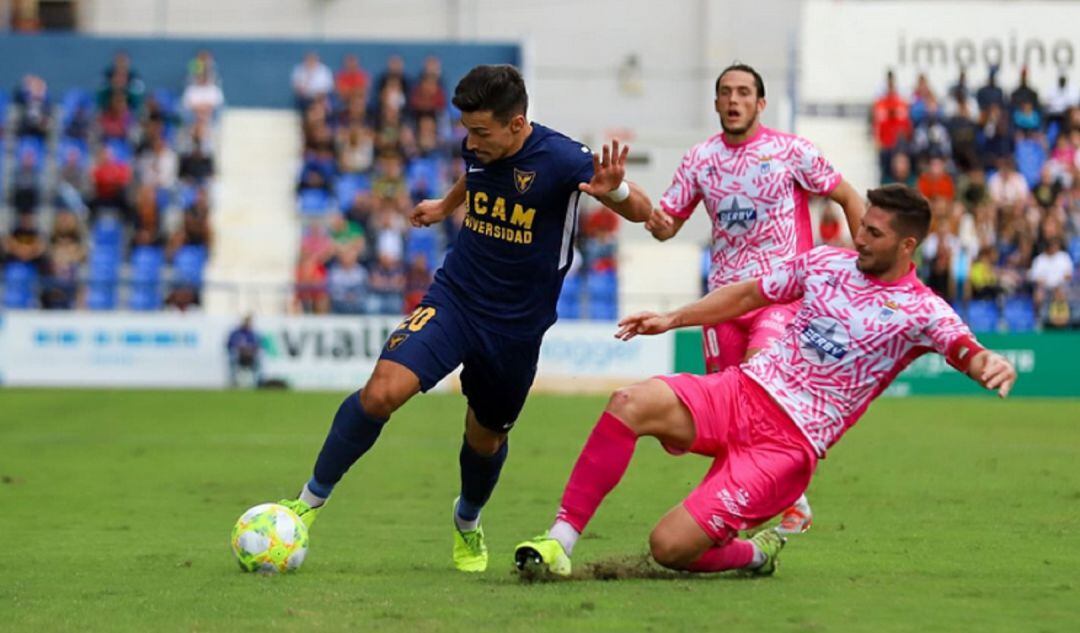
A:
(493, 298)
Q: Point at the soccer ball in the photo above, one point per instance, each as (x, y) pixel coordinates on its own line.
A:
(270, 538)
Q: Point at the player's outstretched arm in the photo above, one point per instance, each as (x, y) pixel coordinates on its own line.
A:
(726, 302)
(852, 203)
(993, 371)
(610, 188)
(428, 212)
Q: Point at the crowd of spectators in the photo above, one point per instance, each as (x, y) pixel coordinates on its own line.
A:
(372, 149)
(109, 190)
(1002, 172)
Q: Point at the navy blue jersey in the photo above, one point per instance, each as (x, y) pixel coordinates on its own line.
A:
(508, 264)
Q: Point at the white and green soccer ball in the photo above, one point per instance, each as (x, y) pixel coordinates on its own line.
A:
(270, 538)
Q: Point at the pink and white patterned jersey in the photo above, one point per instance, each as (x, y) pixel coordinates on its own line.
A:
(756, 193)
(852, 336)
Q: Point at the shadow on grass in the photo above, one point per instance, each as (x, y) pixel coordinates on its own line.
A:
(634, 567)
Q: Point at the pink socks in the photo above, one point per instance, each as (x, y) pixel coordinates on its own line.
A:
(598, 469)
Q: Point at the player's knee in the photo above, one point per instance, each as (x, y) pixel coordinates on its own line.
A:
(667, 551)
(379, 398)
(486, 444)
(627, 404)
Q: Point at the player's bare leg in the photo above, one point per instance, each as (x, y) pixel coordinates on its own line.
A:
(391, 385)
(678, 542)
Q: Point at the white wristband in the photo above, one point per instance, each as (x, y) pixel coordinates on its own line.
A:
(620, 193)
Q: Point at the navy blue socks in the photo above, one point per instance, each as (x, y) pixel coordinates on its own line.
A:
(479, 474)
(351, 435)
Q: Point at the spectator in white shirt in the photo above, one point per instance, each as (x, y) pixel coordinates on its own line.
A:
(1059, 100)
(1007, 187)
(202, 98)
(1050, 270)
(311, 79)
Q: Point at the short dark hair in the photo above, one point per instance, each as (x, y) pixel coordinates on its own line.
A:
(759, 83)
(498, 88)
(909, 208)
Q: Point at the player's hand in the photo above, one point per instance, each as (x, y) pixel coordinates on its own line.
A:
(998, 374)
(660, 224)
(644, 323)
(609, 169)
(427, 212)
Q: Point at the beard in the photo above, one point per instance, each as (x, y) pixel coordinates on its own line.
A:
(874, 266)
(738, 130)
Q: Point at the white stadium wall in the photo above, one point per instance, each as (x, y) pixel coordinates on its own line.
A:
(846, 47)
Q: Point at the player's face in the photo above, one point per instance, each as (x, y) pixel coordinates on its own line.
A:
(878, 243)
(490, 138)
(737, 102)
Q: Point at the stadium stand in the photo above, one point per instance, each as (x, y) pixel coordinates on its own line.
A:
(372, 150)
(147, 184)
(1002, 172)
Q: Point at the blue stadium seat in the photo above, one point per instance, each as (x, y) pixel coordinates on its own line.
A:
(602, 291)
(120, 149)
(188, 265)
(71, 144)
(960, 308)
(20, 279)
(314, 202)
(983, 315)
(186, 195)
(101, 294)
(145, 297)
(73, 99)
(569, 305)
(166, 99)
(424, 175)
(347, 186)
(1030, 157)
(30, 145)
(147, 258)
(107, 232)
(1074, 250)
(163, 198)
(1020, 314)
(422, 242)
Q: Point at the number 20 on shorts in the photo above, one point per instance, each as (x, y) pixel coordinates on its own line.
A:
(418, 319)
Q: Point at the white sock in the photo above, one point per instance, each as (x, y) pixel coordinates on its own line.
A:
(310, 498)
(565, 534)
(464, 525)
(759, 557)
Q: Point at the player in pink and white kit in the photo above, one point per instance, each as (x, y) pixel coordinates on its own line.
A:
(756, 184)
(864, 317)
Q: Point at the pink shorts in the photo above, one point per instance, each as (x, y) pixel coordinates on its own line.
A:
(725, 344)
(762, 461)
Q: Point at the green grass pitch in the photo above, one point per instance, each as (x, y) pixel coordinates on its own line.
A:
(932, 515)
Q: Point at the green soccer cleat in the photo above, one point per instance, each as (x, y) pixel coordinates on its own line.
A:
(306, 513)
(542, 556)
(770, 542)
(470, 550)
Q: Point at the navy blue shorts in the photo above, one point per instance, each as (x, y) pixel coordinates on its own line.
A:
(498, 370)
